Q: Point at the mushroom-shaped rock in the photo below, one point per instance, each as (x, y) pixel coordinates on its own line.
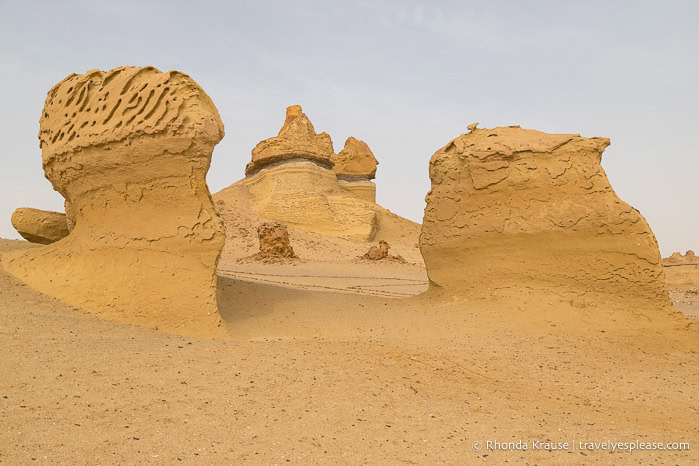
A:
(296, 140)
(40, 226)
(129, 150)
(290, 181)
(521, 211)
(355, 167)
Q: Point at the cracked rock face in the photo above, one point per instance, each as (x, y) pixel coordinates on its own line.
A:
(515, 209)
(129, 150)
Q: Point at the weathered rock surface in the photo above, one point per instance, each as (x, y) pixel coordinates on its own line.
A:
(40, 226)
(296, 139)
(363, 189)
(274, 240)
(290, 181)
(514, 210)
(306, 195)
(678, 259)
(129, 150)
(70, 215)
(355, 160)
(355, 167)
(379, 253)
(239, 210)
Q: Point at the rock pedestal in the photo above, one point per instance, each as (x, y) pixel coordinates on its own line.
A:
(291, 181)
(129, 150)
(296, 140)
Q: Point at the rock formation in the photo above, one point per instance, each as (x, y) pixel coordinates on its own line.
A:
(355, 167)
(40, 226)
(129, 150)
(514, 210)
(296, 139)
(678, 259)
(682, 277)
(290, 180)
(379, 253)
(274, 240)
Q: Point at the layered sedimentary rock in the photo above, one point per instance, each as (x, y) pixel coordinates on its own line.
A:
(129, 150)
(355, 167)
(296, 139)
(513, 210)
(678, 259)
(682, 276)
(40, 226)
(290, 180)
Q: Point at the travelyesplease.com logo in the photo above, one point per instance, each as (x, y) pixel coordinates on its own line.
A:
(579, 445)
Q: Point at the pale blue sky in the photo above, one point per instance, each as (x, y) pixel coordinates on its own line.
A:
(405, 76)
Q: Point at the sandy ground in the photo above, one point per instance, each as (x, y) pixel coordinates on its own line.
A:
(337, 371)
(377, 278)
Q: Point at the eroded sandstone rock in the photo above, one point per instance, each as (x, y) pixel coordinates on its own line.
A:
(40, 226)
(129, 150)
(678, 259)
(379, 253)
(290, 180)
(296, 139)
(514, 210)
(355, 159)
(274, 240)
(355, 167)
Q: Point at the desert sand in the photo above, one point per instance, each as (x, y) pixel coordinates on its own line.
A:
(530, 307)
(327, 376)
